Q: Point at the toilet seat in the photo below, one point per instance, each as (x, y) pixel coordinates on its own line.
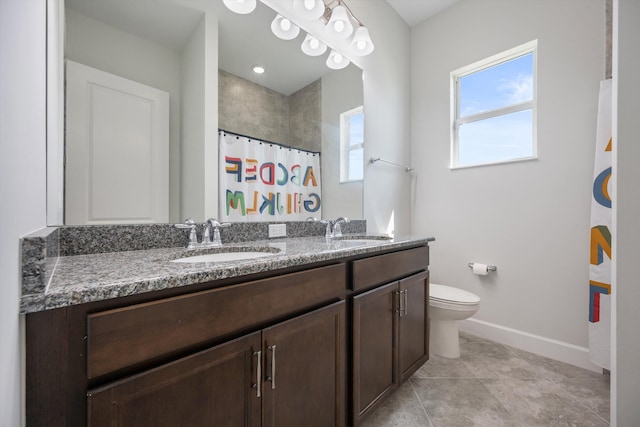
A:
(451, 295)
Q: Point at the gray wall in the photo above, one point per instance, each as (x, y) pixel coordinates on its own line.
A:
(22, 177)
(346, 198)
(387, 106)
(530, 218)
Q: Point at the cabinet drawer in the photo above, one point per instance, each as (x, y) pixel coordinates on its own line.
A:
(380, 269)
(127, 336)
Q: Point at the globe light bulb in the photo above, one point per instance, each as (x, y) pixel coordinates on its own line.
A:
(338, 26)
(314, 43)
(285, 24)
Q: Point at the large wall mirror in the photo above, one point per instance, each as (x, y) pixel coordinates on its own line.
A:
(199, 54)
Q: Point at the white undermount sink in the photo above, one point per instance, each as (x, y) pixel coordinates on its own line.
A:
(225, 256)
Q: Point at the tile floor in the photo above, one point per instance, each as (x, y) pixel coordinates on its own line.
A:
(496, 385)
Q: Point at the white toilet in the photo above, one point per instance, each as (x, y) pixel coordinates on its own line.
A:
(447, 305)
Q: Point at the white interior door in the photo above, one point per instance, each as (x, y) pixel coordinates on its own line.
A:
(117, 149)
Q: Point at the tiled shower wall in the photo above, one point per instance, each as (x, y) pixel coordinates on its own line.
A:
(249, 109)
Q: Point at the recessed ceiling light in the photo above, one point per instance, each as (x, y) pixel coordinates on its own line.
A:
(258, 69)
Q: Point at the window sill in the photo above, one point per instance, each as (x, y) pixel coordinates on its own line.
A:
(502, 162)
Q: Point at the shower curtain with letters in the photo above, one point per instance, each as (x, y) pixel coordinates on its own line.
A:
(600, 241)
(264, 181)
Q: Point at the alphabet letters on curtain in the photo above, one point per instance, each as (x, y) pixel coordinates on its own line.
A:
(600, 241)
(262, 181)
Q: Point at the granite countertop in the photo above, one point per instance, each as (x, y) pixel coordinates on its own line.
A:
(85, 278)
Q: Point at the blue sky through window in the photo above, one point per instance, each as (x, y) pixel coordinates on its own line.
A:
(501, 135)
(497, 139)
(504, 84)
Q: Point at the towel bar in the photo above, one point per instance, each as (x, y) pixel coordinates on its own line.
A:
(378, 159)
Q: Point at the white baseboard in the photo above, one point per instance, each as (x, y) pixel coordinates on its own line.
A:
(553, 349)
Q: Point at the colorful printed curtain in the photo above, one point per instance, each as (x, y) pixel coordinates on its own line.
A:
(263, 181)
(600, 243)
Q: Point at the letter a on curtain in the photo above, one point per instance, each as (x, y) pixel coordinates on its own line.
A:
(600, 240)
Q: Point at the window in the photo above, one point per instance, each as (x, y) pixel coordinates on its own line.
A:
(352, 145)
(494, 109)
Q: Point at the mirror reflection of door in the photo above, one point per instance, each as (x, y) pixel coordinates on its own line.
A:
(117, 149)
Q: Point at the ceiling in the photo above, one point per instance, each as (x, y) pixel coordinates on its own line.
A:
(416, 11)
(171, 23)
(244, 40)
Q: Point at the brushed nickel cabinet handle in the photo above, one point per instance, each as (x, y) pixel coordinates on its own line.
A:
(406, 302)
(403, 302)
(258, 355)
(272, 378)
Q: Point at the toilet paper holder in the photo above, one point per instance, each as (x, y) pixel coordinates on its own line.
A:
(489, 267)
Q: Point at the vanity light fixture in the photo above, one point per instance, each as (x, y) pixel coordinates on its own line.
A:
(285, 29)
(338, 22)
(309, 9)
(312, 46)
(339, 26)
(337, 61)
(361, 43)
(242, 7)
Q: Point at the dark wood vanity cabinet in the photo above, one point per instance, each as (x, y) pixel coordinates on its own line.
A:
(321, 346)
(390, 341)
(289, 374)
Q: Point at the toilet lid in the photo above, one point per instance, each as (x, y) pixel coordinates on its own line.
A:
(451, 294)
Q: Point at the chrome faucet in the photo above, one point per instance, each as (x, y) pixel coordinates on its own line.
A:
(335, 226)
(207, 241)
(214, 224)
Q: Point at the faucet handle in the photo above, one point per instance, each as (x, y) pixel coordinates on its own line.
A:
(188, 223)
(193, 235)
(215, 223)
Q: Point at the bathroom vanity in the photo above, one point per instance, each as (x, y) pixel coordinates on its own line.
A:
(317, 334)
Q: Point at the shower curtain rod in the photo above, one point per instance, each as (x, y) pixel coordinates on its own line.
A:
(378, 159)
(290, 147)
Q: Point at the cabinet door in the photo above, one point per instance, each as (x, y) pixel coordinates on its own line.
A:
(374, 348)
(413, 340)
(214, 387)
(305, 370)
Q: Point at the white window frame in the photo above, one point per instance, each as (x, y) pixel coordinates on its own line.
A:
(455, 76)
(345, 144)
